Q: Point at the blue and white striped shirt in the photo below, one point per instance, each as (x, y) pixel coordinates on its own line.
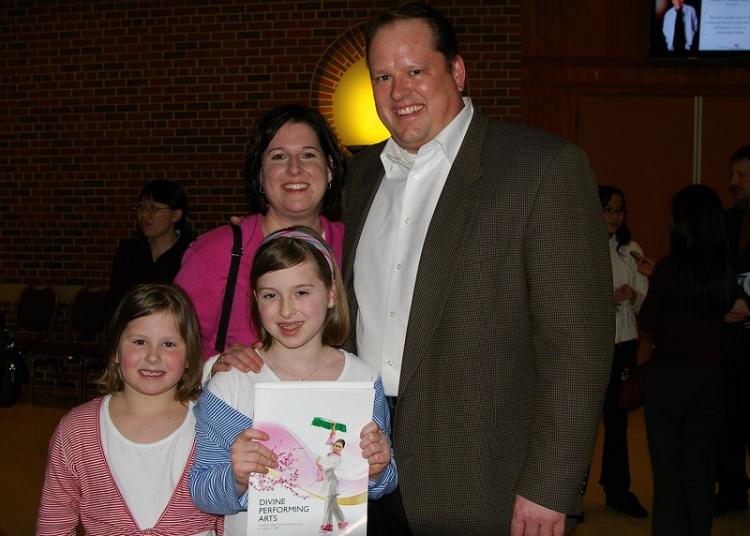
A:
(212, 484)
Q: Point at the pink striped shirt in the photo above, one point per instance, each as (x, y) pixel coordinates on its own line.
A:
(78, 486)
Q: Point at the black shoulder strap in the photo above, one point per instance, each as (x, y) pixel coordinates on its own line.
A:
(226, 306)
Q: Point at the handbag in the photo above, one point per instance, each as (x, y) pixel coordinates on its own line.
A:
(633, 387)
(226, 306)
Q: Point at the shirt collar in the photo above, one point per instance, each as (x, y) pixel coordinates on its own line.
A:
(448, 141)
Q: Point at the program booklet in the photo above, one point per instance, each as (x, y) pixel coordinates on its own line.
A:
(320, 485)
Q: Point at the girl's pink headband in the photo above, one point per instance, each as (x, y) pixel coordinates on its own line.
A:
(305, 237)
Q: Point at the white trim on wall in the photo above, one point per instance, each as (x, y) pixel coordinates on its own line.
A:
(697, 137)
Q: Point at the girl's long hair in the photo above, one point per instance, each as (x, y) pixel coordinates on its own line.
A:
(284, 252)
(704, 280)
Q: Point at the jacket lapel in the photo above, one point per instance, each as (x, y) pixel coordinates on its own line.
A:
(357, 215)
(442, 248)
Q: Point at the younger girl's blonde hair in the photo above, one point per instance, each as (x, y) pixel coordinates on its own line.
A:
(148, 299)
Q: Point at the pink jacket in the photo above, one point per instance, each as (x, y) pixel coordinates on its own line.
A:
(204, 277)
(79, 486)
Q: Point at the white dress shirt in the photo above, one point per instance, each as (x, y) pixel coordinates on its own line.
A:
(387, 258)
(690, 19)
(624, 271)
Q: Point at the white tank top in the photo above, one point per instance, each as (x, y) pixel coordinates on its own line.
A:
(138, 467)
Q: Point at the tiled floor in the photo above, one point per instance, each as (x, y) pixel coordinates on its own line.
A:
(25, 432)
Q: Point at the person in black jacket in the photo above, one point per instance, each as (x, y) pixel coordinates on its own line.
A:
(154, 256)
(692, 289)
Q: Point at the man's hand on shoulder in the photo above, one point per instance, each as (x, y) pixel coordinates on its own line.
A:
(531, 519)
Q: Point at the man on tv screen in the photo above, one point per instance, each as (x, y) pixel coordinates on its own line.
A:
(680, 27)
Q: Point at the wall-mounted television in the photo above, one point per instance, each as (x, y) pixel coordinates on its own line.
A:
(700, 28)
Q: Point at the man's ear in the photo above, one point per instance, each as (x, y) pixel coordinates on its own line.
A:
(458, 71)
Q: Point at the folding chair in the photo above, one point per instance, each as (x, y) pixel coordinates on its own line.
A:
(35, 313)
(88, 316)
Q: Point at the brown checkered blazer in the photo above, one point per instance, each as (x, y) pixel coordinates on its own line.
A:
(509, 341)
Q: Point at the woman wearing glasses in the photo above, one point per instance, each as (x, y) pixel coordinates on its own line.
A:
(630, 269)
(155, 255)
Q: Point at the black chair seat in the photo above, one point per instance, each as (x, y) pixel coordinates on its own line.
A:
(87, 319)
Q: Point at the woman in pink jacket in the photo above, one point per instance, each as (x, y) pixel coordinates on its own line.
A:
(293, 176)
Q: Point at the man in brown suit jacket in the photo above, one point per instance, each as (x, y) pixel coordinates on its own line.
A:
(483, 295)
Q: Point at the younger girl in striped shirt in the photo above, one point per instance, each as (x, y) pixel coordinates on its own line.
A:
(119, 464)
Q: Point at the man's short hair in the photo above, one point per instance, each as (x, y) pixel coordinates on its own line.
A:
(442, 30)
(743, 153)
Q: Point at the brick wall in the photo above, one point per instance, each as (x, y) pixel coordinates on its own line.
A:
(98, 97)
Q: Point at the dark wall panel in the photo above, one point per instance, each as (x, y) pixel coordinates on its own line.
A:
(644, 145)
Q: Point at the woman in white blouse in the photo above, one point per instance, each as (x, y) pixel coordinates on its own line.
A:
(629, 270)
